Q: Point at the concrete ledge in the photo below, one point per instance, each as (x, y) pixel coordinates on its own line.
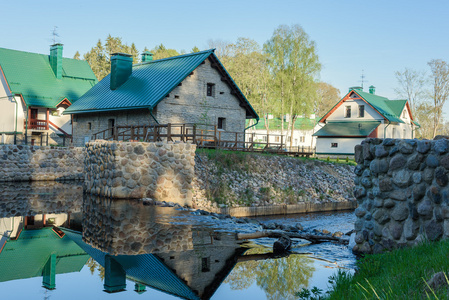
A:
(287, 209)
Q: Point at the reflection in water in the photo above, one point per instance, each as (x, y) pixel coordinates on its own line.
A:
(280, 278)
(48, 229)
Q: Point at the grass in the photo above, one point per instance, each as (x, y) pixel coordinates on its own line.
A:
(400, 274)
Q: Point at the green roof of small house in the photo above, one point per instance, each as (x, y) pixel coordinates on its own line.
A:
(30, 75)
(26, 256)
(347, 129)
(275, 124)
(149, 83)
(389, 109)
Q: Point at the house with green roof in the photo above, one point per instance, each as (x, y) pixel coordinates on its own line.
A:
(35, 89)
(193, 88)
(359, 115)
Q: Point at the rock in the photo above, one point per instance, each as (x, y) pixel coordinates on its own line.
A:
(423, 146)
(441, 146)
(401, 178)
(385, 184)
(417, 177)
(432, 161)
(427, 175)
(396, 230)
(360, 212)
(445, 162)
(367, 155)
(380, 151)
(405, 147)
(425, 209)
(398, 195)
(388, 142)
(440, 175)
(414, 161)
(434, 230)
(418, 191)
(378, 166)
(400, 212)
(358, 154)
(397, 162)
(438, 281)
(411, 229)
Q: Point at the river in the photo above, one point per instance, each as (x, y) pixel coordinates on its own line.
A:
(57, 243)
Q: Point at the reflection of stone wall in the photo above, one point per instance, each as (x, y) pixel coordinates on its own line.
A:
(127, 227)
(403, 193)
(33, 198)
(162, 171)
(25, 163)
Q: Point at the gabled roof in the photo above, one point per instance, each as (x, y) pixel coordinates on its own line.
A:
(149, 83)
(26, 256)
(31, 75)
(389, 109)
(347, 129)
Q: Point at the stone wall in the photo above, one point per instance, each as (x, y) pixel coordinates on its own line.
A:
(161, 171)
(26, 163)
(402, 191)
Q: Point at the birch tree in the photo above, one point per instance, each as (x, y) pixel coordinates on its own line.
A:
(440, 90)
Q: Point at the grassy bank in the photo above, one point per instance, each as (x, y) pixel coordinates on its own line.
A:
(400, 274)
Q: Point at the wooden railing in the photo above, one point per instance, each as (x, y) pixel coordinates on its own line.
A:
(36, 124)
(204, 136)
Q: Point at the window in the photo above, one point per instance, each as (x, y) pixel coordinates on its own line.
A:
(176, 96)
(211, 89)
(264, 138)
(277, 139)
(394, 132)
(288, 139)
(348, 112)
(205, 264)
(334, 145)
(403, 132)
(111, 124)
(302, 139)
(89, 126)
(361, 111)
(296, 141)
(221, 124)
(404, 114)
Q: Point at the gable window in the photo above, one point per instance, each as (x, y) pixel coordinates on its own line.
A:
(404, 113)
(205, 264)
(394, 132)
(361, 111)
(348, 112)
(334, 145)
(221, 124)
(89, 126)
(211, 89)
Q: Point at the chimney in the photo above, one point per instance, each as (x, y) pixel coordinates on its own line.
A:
(56, 59)
(372, 89)
(357, 88)
(147, 56)
(121, 69)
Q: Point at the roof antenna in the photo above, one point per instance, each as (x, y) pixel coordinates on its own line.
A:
(363, 79)
(55, 34)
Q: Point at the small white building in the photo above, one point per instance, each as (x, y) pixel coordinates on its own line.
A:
(303, 131)
(360, 115)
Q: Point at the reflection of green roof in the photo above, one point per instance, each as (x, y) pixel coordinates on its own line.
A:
(347, 129)
(26, 256)
(149, 83)
(31, 75)
(146, 269)
(275, 124)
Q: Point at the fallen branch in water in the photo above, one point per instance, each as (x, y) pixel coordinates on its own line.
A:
(313, 238)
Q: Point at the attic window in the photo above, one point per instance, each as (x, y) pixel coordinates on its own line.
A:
(205, 264)
(176, 96)
(348, 112)
(89, 126)
(180, 84)
(361, 111)
(404, 114)
(211, 89)
(221, 93)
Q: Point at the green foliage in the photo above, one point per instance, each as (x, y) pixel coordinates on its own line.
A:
(400, 274)
(161, 51)
(77, 56)
(195, 49)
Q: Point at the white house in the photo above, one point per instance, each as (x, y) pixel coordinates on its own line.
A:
(359, 115)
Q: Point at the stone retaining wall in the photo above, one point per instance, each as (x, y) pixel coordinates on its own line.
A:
(28, 163)
(403, 193)
(161, 171)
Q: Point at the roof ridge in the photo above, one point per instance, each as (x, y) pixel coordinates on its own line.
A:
(174, 57)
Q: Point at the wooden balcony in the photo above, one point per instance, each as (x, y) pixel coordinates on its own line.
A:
(36, 124)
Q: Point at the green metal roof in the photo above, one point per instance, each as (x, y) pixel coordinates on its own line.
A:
(26, 256)
(386, 107)
(146, 269)
(148, 84)
(275, 124)
(347, 129)
(31, 75)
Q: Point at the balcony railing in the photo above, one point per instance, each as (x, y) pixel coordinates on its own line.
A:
(35, 124)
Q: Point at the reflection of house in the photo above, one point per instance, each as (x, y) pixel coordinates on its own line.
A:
(34, 91)
(191, 88)
(302, 133)
(359, 115)
(38, 252)
(193, 274)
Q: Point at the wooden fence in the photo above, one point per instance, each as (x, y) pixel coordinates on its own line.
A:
(204, 136)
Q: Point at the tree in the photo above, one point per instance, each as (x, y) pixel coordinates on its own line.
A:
(411, 86)
(195, 49)
(424, 116)
(328, 96)
(161, 51)
(77, 56)
(294, 65)
(440, 89)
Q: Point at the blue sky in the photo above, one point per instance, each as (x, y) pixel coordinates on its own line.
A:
(379, 37)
